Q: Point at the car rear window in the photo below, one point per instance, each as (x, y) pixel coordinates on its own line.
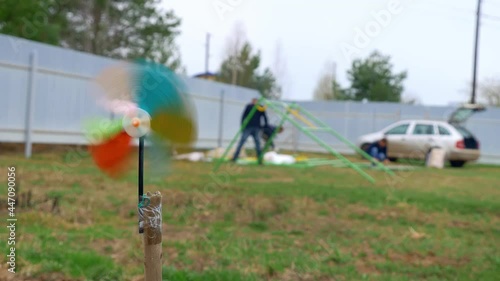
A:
(464, 132)
(443, 131)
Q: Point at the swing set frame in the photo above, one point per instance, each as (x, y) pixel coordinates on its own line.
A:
(308, 124)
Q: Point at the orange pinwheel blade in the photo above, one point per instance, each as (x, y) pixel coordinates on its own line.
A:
(112, 156)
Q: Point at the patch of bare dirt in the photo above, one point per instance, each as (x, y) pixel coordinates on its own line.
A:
(268, 180)
(116, 249)
(290, 274)
(460, 224)
(366, 268)
(181, 233)
(7, 276)
(366, 258)
(18, 148)
(427, 259)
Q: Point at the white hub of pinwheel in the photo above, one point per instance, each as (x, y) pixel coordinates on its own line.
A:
(137, 123)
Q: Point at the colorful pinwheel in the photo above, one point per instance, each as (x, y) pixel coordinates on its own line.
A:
(148, 100)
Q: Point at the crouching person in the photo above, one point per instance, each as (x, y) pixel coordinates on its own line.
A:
(268, 131)
(378, 150)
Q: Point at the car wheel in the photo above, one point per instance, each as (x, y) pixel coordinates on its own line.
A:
(457, 163)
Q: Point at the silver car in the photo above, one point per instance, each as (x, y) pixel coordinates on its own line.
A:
(414, 139)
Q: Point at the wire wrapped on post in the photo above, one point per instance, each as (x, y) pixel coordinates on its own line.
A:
(152, 219)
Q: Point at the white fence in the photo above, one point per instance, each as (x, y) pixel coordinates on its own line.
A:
(46, 97)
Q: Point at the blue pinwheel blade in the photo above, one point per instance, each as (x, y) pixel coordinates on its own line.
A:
(158, 88)
(163, 95)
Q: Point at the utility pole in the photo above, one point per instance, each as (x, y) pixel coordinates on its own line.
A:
(476, 43)
(207, 52)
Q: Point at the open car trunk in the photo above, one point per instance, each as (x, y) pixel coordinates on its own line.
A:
(459, 116)
(463, 113)
(470, 141)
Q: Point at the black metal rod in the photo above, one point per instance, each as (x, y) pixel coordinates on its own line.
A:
(141, 176)
(476, 50)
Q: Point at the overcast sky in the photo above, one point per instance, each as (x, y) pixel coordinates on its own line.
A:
(431, 39)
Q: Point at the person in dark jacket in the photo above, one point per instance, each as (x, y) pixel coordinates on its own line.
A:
(378, 150)
(252, 129)
(268, 131)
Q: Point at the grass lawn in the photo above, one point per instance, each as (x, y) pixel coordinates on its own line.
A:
(257, 223)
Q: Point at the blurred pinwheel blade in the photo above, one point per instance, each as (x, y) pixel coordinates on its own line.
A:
(180, 129)
(163, 94)
(148, 100)
(113, 155)
(99, 130)
(157, 158)
(116, 83)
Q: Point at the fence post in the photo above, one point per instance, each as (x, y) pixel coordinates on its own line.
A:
(346, 120)
(30, 101)
(221, 119)
(374, 121)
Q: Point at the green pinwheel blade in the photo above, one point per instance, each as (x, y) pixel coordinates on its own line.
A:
(98, 130)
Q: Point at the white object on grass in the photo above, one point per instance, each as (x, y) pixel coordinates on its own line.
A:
(436, 158)
(193, 156)
(219, 151)
(279, 159)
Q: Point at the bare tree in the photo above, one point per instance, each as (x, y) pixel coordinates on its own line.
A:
(279, 68)
(234, 44)
(236, 39)
(489, 91)
(410, 98)
(242, 66)
(325, 88)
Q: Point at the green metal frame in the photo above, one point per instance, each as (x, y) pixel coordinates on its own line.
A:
(283, 110)
(346, 141)
(272, 136)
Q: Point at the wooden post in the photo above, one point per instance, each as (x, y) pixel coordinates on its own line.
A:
(152, 237)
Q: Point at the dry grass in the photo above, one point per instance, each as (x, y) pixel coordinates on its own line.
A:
(262, 223)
